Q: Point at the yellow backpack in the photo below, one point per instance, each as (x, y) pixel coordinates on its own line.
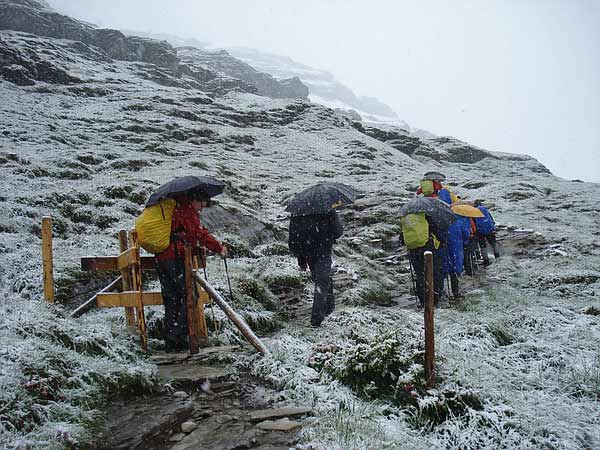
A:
(154, 226)
(453, 196)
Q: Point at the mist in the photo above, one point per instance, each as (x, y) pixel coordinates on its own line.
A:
(512, 76)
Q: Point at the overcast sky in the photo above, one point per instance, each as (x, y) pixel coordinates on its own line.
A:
(519, 76)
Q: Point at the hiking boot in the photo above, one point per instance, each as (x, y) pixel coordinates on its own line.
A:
(486, 262)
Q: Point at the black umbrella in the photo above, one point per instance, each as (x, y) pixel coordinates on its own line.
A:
(321, 198)
(181, 185)
(436, 210)
(434, 176)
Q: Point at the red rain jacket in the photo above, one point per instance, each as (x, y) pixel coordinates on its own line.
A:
(186, 229)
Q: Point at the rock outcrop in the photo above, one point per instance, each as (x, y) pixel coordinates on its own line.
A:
(217, 72)
(221, 62)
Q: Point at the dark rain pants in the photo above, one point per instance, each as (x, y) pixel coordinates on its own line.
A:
(323, 302)
(491, 239)
(171, 274)
(454, 283)
(417, 260)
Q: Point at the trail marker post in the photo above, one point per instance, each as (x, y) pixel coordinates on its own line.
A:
(429, 332)
(47, 259)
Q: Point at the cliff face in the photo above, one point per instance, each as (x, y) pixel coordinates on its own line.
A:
(39, 19)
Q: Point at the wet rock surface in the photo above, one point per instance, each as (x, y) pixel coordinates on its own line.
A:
(203, 407)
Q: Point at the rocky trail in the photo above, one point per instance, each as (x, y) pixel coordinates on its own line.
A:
(202, 404)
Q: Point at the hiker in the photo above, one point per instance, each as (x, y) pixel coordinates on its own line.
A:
(434, 188)
(419, 234)
(458, 236)
(185, 229)
(470, 248)
(311, 240)
(486, 231)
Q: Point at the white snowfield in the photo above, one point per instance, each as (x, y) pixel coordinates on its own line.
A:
(525, 342)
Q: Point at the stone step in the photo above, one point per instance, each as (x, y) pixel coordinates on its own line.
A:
(276, 413)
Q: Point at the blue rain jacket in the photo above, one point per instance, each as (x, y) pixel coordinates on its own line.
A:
(444, 195)
(458, 236)
(486, 224)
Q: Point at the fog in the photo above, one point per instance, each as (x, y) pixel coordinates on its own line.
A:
(517, 76)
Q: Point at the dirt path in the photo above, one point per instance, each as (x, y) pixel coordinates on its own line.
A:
(202, 406)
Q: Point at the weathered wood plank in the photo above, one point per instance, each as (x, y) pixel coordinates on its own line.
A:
(126, 274)
(191, 305)
(127, 258)
(128, 299)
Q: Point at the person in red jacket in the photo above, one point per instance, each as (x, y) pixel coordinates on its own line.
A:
(185, 229)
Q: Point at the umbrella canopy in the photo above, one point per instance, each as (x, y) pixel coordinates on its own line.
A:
(211, 186)
(466, 210)
(436, 210)
(434, 176)
(321, 198)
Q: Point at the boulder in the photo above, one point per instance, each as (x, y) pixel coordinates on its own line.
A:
(17, 74)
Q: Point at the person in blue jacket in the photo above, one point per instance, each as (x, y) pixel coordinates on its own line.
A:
(458, 236)
(486, 231)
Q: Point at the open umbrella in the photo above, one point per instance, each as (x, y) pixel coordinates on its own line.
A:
(466, 210)
(434, 176)
(438, 212)
(321, 198)
(211, 186)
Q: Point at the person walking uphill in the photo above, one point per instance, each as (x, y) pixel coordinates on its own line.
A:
(314, 228)
(185, 229)
(431, 186)
(425, 223)
(458, 236)
(311, 240)
(169, 222)
(486, 231)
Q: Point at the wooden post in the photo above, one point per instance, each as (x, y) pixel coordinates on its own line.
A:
(202, 327)
(47, 259)
(126, 274)
(429, 333)
(136, 278)
(190, 302)
(237, 320)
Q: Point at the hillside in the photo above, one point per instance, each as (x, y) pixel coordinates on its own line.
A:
(88, 130)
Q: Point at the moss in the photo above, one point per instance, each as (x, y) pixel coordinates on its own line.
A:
(275, 249)
(445, 405)
(374, 296)
(199, 165)
(256, 290)
(592, 311)
(501, 333)
(115, 192)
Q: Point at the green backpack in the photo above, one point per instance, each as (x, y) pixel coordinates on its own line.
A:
(415, 230)
(427, 187)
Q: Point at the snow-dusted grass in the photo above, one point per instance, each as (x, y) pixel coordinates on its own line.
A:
(55, 374)
(524, 370)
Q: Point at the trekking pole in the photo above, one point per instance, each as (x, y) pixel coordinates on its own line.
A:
(449, 281)
(228, 279)
(412, 278)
